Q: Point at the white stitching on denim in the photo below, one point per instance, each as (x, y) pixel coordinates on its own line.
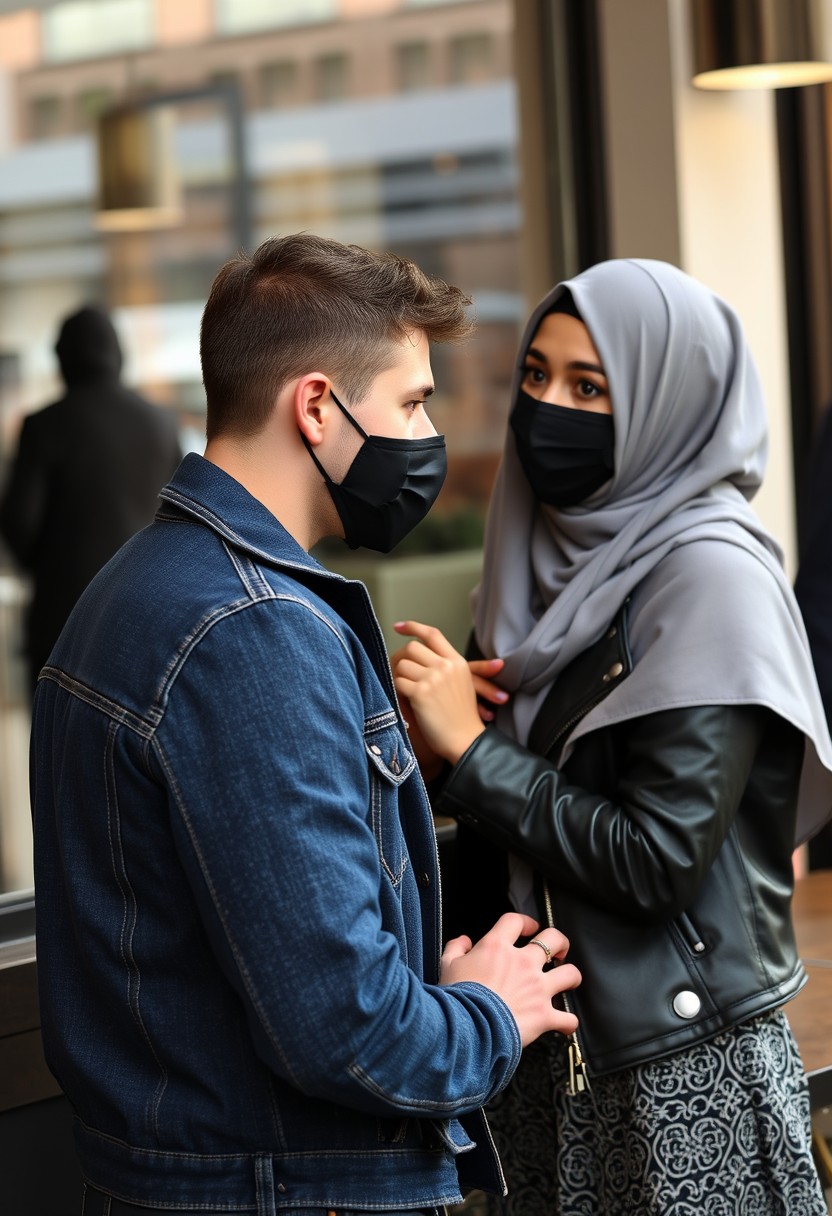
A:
(126, 935)
(375, 812)
(98, 701)
(220, 614)
(451, 1107)
(247, 572)
(243, 969)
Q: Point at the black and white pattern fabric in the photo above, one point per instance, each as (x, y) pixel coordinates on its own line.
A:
(720, 1130)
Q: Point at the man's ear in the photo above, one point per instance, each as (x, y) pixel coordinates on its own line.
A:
(312, 406)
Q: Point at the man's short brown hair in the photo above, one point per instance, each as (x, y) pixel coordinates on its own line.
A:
(303, 303)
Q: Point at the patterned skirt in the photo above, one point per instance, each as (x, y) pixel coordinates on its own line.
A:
(721, 1129)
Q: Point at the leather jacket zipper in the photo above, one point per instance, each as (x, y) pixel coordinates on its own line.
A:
(691, 933)
(578, 1078)
(566, 727)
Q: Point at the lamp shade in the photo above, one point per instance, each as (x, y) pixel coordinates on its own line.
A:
(758, 44)
(138, 182)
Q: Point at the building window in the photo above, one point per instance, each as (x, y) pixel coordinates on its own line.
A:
(332, 77)
(90, 104)
(278, 84)
(80, 29)
(470, 59)
(240, 16)
(413, 66)
(225, 78)
(44, 117)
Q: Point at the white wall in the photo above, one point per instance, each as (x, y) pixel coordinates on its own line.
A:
(693, 178)
(730, 231)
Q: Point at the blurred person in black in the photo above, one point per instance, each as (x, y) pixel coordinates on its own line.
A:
(813, 589)
(85, 477)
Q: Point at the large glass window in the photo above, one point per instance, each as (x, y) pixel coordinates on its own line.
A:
(237, 16)
(79, 29)
(392, 126)
(413, 64)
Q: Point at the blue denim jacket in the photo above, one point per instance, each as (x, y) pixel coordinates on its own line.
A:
(237, 887)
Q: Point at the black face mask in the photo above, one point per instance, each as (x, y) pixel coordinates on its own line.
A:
(566, 454)
(389, 487)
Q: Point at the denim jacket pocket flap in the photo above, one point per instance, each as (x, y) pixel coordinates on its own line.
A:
(389, 753)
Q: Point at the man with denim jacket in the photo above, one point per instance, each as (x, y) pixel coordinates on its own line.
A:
(238, 901)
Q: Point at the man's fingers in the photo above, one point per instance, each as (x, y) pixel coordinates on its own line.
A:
(564, 1023)
(458, 947)
(564, 978)
(512, 925)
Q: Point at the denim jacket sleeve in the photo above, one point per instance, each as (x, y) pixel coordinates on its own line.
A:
(262, 750)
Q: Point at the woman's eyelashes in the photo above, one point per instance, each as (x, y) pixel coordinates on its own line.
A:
(578, 389)
(589, 390)
(535, 376)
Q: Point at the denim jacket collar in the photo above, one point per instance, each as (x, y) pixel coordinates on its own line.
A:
(206, 492)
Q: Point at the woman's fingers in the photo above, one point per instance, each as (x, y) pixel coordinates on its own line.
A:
(486, 667)
(489, 691)
(429, 635)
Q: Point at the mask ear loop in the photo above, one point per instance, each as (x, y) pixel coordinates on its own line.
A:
(349, 419)
(348, 415)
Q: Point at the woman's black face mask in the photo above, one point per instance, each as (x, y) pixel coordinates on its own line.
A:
(566, 454)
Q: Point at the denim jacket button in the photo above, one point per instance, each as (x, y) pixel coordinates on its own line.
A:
(375, 750)
(423, 879)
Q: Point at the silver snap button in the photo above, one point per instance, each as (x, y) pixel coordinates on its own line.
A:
(614, 672)
(375, 750)
(395, 767)
(686, 1004)
(612, 632)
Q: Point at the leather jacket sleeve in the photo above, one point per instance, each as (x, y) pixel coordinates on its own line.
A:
(644, 852)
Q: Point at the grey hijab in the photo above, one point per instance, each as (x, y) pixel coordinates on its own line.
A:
(712, 616)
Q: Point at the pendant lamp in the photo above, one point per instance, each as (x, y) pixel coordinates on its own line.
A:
(760, 44)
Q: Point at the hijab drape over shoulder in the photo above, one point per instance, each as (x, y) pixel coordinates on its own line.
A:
(713, 617)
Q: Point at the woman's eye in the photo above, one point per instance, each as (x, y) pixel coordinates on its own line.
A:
(534, 375)
(588, 390)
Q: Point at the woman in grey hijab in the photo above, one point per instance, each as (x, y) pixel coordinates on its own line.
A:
(656, 746)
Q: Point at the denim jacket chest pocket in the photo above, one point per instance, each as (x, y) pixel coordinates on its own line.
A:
(391, 763)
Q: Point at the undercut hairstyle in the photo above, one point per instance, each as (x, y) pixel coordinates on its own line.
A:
(303, 303)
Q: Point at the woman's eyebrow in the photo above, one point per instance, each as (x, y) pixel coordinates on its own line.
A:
(532, 353)
(578, 366)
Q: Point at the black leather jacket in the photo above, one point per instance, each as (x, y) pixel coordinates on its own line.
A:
(663, 845)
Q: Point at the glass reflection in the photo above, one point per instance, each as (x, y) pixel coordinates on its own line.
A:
(390, 123)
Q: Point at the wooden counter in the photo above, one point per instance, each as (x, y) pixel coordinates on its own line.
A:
(810, 1013)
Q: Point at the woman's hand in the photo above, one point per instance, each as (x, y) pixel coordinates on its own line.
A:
(440, 689)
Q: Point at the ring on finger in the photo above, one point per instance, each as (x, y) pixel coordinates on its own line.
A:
(537, 942)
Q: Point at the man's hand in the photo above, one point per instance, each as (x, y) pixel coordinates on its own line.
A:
(440, 688)
(518, 976)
